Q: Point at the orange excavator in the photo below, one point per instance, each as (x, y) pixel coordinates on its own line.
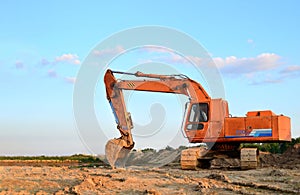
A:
(206, 121)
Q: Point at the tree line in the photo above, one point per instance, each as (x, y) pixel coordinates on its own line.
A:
(274, 148)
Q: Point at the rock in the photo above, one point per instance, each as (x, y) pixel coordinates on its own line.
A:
(204, 184)
(41, 192)
(153, 192)
(276, 172)
(60, 192)
(219, 177)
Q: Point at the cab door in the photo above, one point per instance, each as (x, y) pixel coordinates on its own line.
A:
(196, 122)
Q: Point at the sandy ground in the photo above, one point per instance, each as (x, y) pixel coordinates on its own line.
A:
(277, 174)
(142, 180)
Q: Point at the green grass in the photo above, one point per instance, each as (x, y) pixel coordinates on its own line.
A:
(77, 157)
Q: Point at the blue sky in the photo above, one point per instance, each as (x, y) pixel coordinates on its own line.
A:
(255, 45)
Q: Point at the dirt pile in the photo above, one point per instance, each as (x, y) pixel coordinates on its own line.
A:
(289, 159)
(151, 158)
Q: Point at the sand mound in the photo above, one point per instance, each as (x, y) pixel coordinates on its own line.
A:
(152, 158)
(289, 159)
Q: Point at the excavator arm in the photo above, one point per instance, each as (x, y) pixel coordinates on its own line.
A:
(117, 149)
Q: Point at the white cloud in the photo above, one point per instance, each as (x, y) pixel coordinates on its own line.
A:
(69, 58)
(109, 52)
(155, 49)
(19, 65)
(250, 41)
(235, 65)
(261, 69)
(52, 73)
(291, 69)
(229, 65)
(71, 80)
(253, 69)
(45, 62)
(266, 81)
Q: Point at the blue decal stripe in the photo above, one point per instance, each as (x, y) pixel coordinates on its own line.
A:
(263, 135)
(261, 132)
(254, 133)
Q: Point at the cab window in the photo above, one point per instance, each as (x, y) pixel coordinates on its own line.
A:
(198, 114)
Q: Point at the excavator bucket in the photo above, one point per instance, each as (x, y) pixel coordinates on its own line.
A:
(115, 152)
